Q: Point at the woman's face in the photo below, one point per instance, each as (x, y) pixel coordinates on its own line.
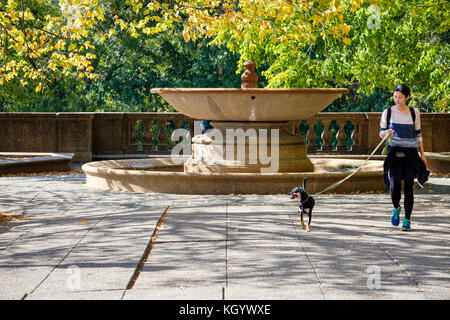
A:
(399, 98)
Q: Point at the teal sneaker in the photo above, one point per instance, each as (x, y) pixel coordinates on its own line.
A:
(395, 218)
(406, 225)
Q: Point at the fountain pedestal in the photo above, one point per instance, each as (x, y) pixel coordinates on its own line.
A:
(248, 147)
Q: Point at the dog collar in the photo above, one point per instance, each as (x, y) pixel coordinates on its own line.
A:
(305, 200)
(300, 199)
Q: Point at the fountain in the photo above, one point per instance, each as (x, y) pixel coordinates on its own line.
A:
(253, 148)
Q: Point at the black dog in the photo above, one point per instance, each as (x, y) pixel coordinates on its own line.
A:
(305, 203)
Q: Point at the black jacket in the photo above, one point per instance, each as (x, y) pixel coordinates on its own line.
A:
(411, 155)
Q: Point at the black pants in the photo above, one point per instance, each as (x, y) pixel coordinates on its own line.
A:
(402, 169)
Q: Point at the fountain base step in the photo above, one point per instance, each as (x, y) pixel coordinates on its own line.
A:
(125, 175)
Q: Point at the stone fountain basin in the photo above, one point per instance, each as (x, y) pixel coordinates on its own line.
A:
(160, 175)
(259, 104)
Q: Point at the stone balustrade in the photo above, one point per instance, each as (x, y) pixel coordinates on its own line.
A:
(101, 135)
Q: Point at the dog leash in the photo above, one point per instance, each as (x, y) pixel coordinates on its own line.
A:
(357, 169)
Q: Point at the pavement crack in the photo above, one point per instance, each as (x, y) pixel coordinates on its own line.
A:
(395, 261)
(27, 203)
(399, 265)
(147, 251)
(226, 252)
(45, 223)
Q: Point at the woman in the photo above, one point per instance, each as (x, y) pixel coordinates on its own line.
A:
(403, 161)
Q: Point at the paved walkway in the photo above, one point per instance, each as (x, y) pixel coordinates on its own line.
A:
(78, 243)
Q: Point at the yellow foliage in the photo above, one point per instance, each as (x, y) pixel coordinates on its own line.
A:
(57, 41)
(186, 36)
(72, 46)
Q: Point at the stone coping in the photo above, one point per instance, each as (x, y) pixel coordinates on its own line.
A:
(27, 162)
(250, 90)
(438, 155)
(249, 104)
(438, 162)
(133, 156)
(33, 156)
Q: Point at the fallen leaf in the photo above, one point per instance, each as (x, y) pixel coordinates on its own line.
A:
(5, 218)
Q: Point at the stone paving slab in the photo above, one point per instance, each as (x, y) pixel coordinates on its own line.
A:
(184, 265)
(195, 220)
(78, 243)
(279, 266)
(268, 222)
(200, 292)
(101, 234)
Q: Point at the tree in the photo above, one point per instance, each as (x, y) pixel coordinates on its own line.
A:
(43, 39)
(125, 68)
(368, 44)
(365, 44)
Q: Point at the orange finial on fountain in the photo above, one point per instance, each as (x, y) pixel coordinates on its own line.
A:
(249, 77)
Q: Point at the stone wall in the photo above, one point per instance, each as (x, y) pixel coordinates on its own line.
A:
(93, 135)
